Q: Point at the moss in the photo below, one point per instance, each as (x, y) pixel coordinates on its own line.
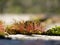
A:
(54, 31)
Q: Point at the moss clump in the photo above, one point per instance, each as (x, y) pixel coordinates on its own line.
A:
(54, 31)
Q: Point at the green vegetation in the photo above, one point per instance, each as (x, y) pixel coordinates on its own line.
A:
(29, 6)
(53, 31)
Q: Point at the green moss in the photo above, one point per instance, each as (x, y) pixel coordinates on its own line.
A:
(54, 31)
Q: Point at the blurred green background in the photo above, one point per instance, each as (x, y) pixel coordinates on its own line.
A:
(29, 6)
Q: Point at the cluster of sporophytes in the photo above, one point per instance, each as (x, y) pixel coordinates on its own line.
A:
(22, 27)
(28, 27)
